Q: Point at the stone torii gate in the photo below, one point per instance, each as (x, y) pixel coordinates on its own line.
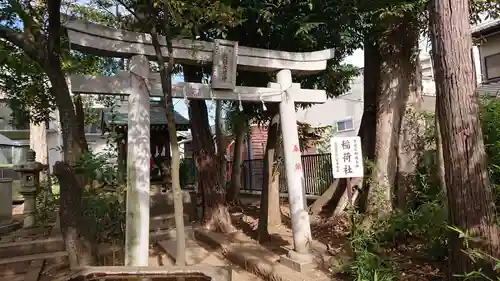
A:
(226, 57)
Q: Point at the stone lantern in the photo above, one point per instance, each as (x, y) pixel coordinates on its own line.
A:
(29, 173)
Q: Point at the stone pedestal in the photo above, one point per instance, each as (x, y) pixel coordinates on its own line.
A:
(6, 222)
(300, 262)
(5, 200)
(30, 181)
(29, 195)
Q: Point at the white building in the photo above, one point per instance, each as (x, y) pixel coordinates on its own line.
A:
(345, 112)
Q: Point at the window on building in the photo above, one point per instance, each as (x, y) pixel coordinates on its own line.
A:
(345, 125)
(492, 66)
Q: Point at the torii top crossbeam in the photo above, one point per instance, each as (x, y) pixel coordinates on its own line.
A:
(106, 41)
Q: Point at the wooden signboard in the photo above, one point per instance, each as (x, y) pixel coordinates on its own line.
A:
(225, 62)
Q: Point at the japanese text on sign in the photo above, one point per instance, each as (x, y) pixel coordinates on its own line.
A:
(347, 160)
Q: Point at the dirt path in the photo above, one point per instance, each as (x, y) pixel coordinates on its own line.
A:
(200, 254)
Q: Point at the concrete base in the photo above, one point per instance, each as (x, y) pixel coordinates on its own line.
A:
(256, 259)
(297, 261)
(219, 273)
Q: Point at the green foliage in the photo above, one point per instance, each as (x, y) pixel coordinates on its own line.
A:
(477, 256)
(424, 223)
(302, 26)
(22, 80)
(369, 262)
(106, 210)
(490, 117)
(488, 8)
(98, 167)
(46, 206)
(104, 198)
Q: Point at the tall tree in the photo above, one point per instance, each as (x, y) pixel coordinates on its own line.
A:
(270, 212)
(216, 215)
(166, 82)
(469, 192)
(206, 20)
(45, 50)
(36, 61)
(390, 125)
(238, 125)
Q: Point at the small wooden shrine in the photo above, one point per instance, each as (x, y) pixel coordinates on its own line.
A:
(116, 119)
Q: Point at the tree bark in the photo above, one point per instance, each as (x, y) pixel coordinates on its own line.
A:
(270, 213)
(221, 144)
(320, 202)
(215, 212)
(396, 46)
(411, 143)
(469, 192)
(49, 58)
(80, 121)
(166, 85)
(74, 144)
(367, 129)
(439, 153)
(235, 184)
(77, 239)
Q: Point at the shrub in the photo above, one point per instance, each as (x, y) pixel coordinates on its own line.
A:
(369, 262)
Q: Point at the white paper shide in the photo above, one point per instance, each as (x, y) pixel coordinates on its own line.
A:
(347, 159)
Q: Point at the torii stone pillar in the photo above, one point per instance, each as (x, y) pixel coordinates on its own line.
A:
(139, 153)
(226, 57)
(301, 229)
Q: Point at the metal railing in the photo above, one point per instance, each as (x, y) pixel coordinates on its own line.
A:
(316, 167)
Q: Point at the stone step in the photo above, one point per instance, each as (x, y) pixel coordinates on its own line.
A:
(23, 248)
(33, 257)
(164, 222)
(188, 231)
(195, 254)
(9, 270)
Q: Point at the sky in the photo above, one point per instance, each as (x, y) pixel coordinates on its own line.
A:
(181, 107)
(356, 59)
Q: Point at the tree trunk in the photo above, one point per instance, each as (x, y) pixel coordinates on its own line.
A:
(215, 212)
(397, 49)
(74, 144)
(411, 143)
(439, 153)
(320, 202)
(221, 144)
(239, 143)
(470, 199)
(77, 238)
(270, 213)
(49, 57)
(367, 129)
(387, 126)
(80, 120)
(175, 161)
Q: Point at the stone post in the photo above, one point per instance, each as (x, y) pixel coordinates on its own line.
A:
(5, 201)
(30, 181)
(138, 166)
(301, 228)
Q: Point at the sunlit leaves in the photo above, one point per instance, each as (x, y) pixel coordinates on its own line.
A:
(21, 79)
